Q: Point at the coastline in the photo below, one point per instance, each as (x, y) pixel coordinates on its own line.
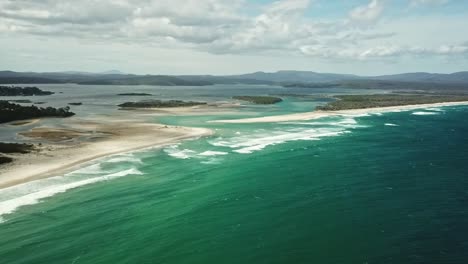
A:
(320, 114)
(56, 159)
(124, 135)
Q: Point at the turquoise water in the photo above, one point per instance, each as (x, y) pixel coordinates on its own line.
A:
(384, 188)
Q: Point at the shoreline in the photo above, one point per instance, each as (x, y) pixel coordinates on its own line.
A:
(57, 159)
(320, 114)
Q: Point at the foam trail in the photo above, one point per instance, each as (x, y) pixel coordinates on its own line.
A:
(256, 142)
(390, 124)
(175, 152)
(434, 109)
(91, 170)
(346, 122)
(213, 153)
(124, 158)
(425, 113)
(11, 205)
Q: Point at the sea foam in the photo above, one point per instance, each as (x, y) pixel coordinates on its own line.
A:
(425, 113)
(34, 192)
(254, 142)
(213, 153)
(124, 158)
(175, 152)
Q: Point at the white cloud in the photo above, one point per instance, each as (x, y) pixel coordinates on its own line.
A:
(427, 2)
(367, 13)
(283, 28)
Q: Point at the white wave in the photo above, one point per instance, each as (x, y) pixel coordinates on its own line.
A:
(358, 115)
(255, 142)
(213, 153)
(11, 205)
(92, 170)
(424, 113)
(434, 109)
(124, 158)
(175, 152)
(390, 124)
(212, 161)
(348, 121)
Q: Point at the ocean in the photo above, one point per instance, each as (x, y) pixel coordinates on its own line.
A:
(379, 188)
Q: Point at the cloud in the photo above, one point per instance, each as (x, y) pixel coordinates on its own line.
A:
(414, 3)
(383, 51)
(221, 27)
(367, 13)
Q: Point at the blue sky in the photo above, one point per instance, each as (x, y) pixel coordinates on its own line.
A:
(366, 37)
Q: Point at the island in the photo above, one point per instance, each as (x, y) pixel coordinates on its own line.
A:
(348, 102)
(12, 112)
(22, 91)
(259, 99)
(160, 104)
(78, 103)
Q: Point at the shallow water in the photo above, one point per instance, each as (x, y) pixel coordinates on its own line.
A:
(382, 188)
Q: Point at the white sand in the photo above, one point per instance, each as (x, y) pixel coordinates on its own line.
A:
(58, 159)
(320, 114)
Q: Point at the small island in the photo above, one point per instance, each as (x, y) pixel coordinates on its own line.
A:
(348, 102)
(78, 103)
(160, 104)
(259, 99)
(135, 94)
(22, 91)
(12, 112)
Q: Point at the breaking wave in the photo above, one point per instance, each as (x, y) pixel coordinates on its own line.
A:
(34, 192)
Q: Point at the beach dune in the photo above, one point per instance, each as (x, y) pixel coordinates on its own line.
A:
(54, 158)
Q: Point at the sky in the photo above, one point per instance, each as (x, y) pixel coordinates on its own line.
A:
(366, 37)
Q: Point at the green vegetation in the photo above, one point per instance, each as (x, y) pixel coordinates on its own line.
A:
(12, 112)
(5, 160)
(160, 104)
(135, 94)
(259, 99)
(345, 102)
(9, 148)
(20, 91)
(21, 101)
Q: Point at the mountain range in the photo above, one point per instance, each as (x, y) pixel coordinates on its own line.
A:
(115, 77)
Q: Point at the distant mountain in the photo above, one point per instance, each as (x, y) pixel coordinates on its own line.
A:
(296, 76)
(10, 77)
(161, 80)
(112, 72)
(458, 77)
(285, 78)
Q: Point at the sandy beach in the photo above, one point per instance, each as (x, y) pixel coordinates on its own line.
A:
(320, 114)
(85, 141)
